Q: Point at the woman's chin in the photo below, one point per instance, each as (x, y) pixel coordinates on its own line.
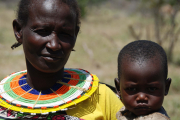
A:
(46, 68)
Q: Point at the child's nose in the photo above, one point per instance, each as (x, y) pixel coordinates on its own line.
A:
(54, 43)
(142, 98)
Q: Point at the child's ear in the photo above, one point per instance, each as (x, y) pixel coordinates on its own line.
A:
(117, 85)
(17, 30)
(167, 83)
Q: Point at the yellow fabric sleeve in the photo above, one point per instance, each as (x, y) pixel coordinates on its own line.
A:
(102, 105)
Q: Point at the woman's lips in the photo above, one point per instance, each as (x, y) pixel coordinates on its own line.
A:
(51, 58)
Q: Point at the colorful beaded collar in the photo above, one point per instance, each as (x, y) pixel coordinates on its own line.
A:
(76, 86)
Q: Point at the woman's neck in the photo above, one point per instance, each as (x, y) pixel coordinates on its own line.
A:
(40, 80)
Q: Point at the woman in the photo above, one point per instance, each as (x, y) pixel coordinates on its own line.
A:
(47, 29)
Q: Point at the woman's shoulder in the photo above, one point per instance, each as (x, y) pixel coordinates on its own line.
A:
(105, 85)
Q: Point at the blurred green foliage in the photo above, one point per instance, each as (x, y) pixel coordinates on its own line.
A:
(84, 3)
(158, 3)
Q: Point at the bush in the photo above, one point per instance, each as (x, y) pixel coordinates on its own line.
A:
(84, 3)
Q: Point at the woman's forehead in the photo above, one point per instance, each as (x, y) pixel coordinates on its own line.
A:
(50, 10)
(48, 5)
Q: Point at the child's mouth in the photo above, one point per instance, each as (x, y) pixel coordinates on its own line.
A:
(142, 110)
(142, 107)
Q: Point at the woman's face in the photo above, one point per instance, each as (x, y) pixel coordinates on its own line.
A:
(49, 35)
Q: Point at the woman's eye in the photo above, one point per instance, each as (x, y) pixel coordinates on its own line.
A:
(65, 35)
(152, 88)
(43, 32)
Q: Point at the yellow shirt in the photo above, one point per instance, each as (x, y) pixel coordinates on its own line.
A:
(102, 105)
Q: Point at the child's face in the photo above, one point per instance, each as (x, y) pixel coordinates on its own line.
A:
(49, 36)
(143, 86)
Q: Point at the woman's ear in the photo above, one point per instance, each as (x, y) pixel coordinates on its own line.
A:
(167, 85)
(17, 30)
(117, 85)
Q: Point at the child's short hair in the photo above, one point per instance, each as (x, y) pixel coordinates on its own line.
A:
(142, 50)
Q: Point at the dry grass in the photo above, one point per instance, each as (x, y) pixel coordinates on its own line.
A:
(103, 34)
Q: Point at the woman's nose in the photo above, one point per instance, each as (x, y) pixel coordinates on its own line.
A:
(53, 43)
(142, 98)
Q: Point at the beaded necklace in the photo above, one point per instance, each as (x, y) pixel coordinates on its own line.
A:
(76, 86)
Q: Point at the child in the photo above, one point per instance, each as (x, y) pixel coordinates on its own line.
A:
(142, 81)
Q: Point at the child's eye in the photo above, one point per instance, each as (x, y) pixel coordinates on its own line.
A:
(152, 89)
(131, 89)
